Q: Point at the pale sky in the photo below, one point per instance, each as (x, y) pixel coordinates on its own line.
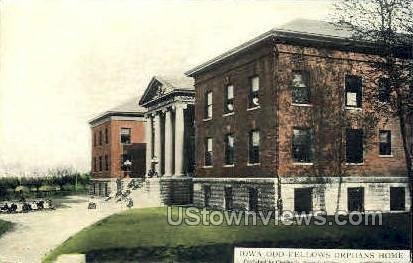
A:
(64, 61)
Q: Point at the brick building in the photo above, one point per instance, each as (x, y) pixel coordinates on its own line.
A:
(282, 119)
(118, 147)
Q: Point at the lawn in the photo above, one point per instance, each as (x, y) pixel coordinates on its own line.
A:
(5, 226)
(144, 235)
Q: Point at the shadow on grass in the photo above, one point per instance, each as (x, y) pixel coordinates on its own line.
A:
(5, 226)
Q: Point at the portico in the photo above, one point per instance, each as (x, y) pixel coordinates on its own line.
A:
(169, 127)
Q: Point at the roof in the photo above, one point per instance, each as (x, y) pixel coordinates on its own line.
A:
(315, 27)
(165, 86)
(128, 108)
(176, 82)
(314, 31)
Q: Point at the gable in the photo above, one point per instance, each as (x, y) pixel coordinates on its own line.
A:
(156, 89)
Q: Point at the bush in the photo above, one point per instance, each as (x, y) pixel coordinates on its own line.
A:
(47, 188)
(68, 187)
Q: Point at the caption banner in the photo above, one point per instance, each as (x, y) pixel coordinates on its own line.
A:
(291, 255)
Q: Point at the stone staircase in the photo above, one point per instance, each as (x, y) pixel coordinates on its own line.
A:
(139, 192)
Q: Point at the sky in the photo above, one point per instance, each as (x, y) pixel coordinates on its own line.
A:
(62, 62)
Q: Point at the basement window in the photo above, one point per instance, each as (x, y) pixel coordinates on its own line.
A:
(353, 91)
(354, 146)
(228, 198)
(300, 89)
(254, 89)
(303, 147)
(125, 135)
(355, 199)
(207, 195)
(385, 142)
(253, 199)
(397, 199)
(303, 200)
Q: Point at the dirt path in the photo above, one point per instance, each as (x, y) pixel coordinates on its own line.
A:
(37, 233)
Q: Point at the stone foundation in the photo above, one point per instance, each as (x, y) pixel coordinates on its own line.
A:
(176, 190)
(102, 186)
(328, 194)
(240, 189)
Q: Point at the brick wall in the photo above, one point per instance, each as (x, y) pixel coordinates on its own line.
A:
(277, 117)
(114, 148)
(237, 73)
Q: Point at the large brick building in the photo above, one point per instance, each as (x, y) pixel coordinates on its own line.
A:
(118, 146)
(281, 121)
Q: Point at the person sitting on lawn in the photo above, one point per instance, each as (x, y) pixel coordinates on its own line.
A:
(13, 208)
(5, 207)
(40, 205)
(26, 207)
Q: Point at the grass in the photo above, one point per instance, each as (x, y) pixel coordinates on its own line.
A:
(5, 226)
(144, 235)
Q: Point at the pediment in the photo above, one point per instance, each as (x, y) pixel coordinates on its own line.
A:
(156, 89)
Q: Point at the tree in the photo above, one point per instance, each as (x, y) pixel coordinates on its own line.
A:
(388, 26)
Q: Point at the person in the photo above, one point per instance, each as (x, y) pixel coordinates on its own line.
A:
(91, 205)
(130, 203)
(13, 208)
(40, 205)
(5, 207)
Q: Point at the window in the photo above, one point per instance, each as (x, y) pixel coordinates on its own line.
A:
(229, 99)
(95, 165)
(207, 195)
(397, 199)
(353, 91)
(208, 152)
(303, 202)
(354, 146)
(253, 199)
(229, 149)
(106, 136)
(106, 163)
(303, 147)
(125, 135)
(208, 105)
(385, 142)
(94, 139)
(100, 137)
(355, 199)
(228, 198)
(100, 163)
(300, 89)
(125, 159)
(384, 90)
(254, 89)
(254, 147)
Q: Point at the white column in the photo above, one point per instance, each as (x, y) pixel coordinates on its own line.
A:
(148, 140)
(157, 142)
(179, 139)
(168, 144)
